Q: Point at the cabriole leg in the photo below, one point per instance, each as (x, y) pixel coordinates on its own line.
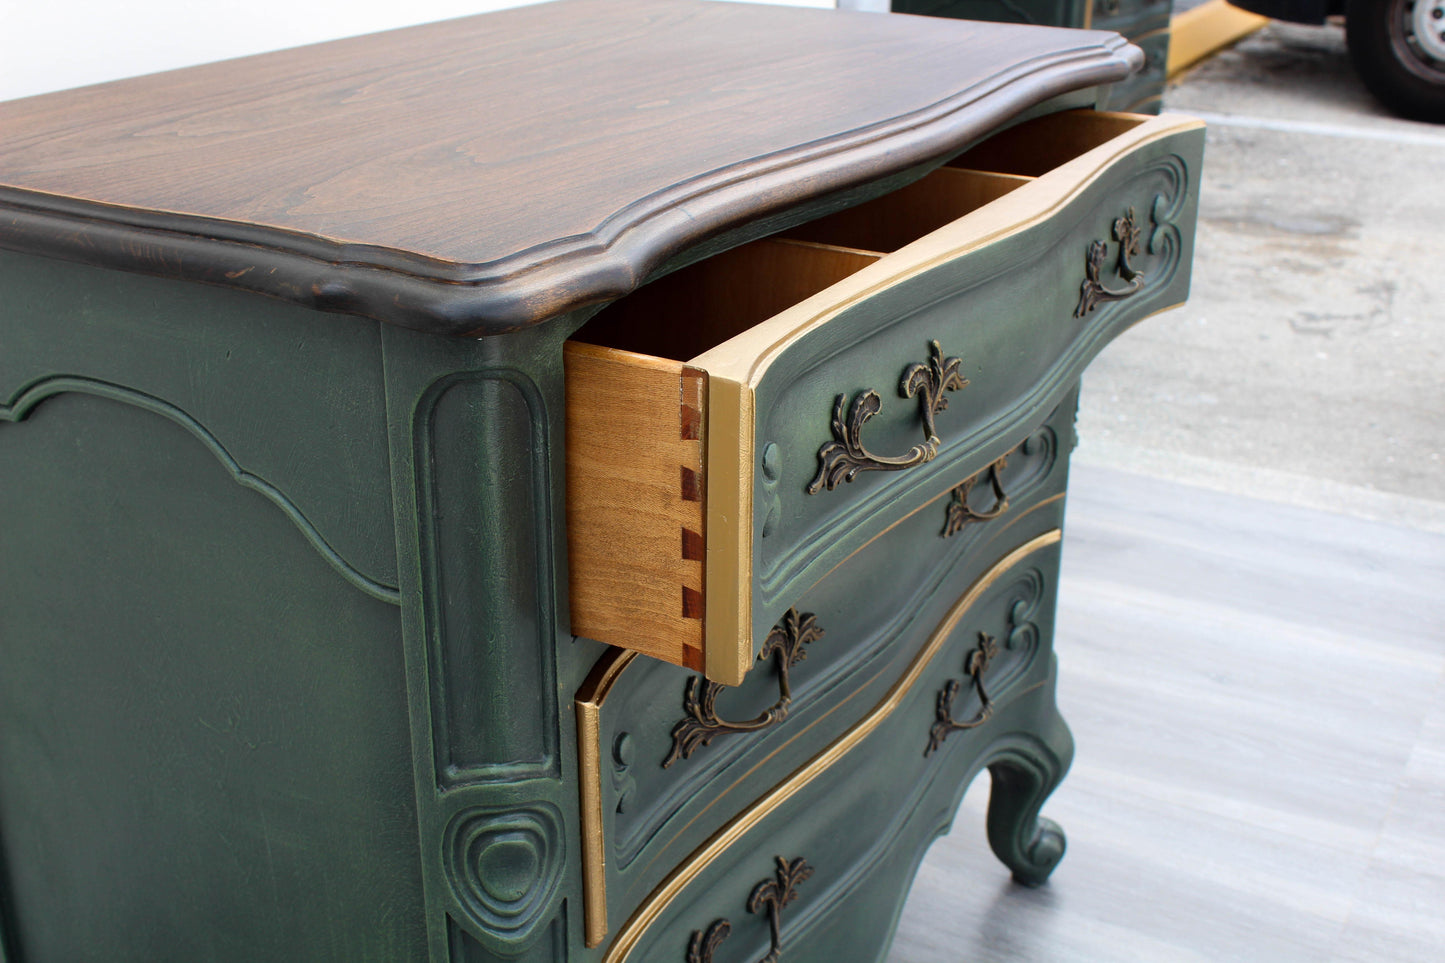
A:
(1023, 777)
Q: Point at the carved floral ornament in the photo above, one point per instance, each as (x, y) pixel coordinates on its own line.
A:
(1093, 292)
(841, 459)
(769, 896)
(701, 723)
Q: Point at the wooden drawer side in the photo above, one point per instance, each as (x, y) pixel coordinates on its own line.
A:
(1038, 146)
(636, 528)
(898, 219)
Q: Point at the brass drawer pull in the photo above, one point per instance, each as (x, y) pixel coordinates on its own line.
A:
(769, 896)
(1092, 292)
(960, 513)
(841, 459)
(976, 665)
(702, 723)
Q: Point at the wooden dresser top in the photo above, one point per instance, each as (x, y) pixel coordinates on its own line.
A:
(478, 175)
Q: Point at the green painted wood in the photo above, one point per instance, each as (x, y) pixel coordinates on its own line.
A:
(202, 725)
(250, 381)
(475, 429)
(656, 816)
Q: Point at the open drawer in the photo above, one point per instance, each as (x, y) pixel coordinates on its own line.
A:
(739, 427)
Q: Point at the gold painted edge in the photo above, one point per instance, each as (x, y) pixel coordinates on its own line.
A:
(588, 705)
(727, 633)
(688, 870)
(748, 356)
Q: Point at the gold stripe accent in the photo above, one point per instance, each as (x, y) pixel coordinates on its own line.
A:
(588, 706)
(727, 633)
(687, 871)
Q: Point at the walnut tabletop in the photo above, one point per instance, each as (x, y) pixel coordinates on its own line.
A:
(479, 175)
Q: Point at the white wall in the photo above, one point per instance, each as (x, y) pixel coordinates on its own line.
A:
(58, 44)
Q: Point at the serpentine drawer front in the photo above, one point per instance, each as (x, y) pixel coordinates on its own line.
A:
(739, 427)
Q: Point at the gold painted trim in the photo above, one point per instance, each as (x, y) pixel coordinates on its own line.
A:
(588, 705)
(589, 701)
(727, 634)
(687, 871)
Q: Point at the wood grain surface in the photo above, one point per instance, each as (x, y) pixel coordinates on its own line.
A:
(477, 175)
(636, 530)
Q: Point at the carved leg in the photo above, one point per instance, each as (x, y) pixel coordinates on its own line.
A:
(1023, 777)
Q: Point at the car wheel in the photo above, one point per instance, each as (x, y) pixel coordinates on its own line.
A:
(1398, 48)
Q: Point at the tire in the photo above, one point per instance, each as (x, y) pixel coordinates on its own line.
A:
(1398, 49)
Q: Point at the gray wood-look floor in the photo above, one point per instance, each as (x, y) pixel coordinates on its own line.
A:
(1258, 696)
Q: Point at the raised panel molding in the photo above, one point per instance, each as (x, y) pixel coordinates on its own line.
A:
(25, 401)
(487, 585)
(505, 866)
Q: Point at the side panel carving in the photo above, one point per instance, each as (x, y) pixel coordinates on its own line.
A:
(485, 569)
(197, 710)
(21, 406)
(505, 865)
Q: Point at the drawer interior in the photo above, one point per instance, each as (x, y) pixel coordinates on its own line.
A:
(1037, 146)
(691, 311)
(687, 312)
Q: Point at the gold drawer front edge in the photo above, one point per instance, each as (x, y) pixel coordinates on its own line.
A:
(592, 696)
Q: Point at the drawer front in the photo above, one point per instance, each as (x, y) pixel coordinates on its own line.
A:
(676, 756)
(990, 325)
(739, 428)
(846, 823)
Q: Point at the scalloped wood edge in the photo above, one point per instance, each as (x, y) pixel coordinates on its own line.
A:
(405, 287)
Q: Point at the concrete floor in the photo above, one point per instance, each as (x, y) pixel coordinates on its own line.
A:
(1308, 366)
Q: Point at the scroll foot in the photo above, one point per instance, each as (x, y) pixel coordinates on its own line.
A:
(1025, 842)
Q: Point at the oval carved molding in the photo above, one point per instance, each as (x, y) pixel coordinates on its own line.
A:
(505, 867)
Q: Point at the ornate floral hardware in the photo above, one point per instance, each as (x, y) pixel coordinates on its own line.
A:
(960, 513)
(978, 662)
(769, 896)
(841, 459)
(702, 723)
(1092, 292)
